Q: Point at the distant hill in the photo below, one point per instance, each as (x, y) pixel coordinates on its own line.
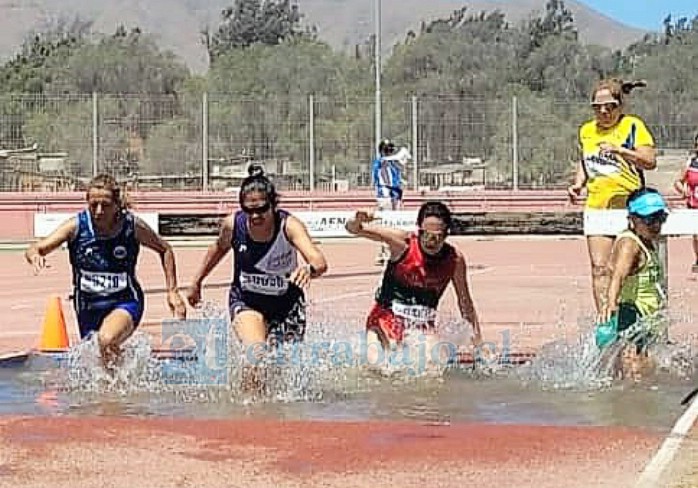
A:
(342, 23)
(346, 22)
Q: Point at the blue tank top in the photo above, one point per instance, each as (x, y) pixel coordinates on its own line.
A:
(104, 268)
(260, 277)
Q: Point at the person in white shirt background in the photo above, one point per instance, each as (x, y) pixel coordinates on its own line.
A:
(387, 180)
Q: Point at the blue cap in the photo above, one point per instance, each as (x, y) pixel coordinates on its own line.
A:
(647, 204)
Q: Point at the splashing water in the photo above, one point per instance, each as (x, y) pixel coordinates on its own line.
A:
(135, 370)
(314, 370)
(581, 365)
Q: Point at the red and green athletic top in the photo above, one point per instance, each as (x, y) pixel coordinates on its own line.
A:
(416, 278)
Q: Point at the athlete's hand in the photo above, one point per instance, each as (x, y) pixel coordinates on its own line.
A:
(301, 276)
(194, 295)
(364, 216)
(355, 224)
(176, 304)
(573, 192)
(38, 262)
(681, 189)
(607, 311)
(606, 148)
(361, 217)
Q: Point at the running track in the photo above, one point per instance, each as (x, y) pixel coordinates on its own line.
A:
(528, 287)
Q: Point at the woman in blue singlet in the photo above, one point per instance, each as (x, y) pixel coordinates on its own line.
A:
(266, 297)
(103, 244)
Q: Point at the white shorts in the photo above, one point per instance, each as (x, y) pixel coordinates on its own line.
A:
(384, 204)
(604, 222)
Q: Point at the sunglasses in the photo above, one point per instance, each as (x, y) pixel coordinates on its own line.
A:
(436, 235)
(609, 106)
(256, 210)
(654, 219)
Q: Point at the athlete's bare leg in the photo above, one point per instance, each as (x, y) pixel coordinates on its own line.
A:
(251, 330)
(600, 254)
(116, 327)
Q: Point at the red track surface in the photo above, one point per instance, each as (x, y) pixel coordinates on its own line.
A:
(176, 453)
(526, 287)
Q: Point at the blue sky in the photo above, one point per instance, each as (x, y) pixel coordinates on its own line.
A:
(645, 14)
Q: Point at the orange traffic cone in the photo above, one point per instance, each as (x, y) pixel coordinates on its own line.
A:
(54, 333)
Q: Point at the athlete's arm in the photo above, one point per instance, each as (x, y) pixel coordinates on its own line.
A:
(150, 239)
(298, 234)
(680, 183)
(625, 259)
(146, 236)
(580, 179)
(644, 157)
(465, 300)
(214, 254)
(396, 239)
(300, 237)
(63, 233)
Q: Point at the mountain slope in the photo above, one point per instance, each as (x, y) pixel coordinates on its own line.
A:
(346, 22)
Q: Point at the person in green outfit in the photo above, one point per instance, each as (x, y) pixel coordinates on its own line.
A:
(635, 297)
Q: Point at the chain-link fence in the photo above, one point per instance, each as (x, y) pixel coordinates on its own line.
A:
(307, 143)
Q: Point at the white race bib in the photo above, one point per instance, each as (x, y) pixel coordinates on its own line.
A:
(263, 284)
(601, 164)
(103, 283)
(416, 313)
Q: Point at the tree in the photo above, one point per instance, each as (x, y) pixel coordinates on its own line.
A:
(557, 21)
(250, 22)
(128, 61)
(41, 53)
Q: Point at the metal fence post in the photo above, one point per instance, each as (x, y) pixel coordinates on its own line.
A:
(311, 142)
(415, 143)
(663, 256)
(95, 135)
(204, 141)
(377, 62)
(515, 142)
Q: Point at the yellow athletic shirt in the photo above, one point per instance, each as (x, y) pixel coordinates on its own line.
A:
(610, 179)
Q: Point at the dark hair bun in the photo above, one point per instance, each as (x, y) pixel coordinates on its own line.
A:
(629, 86)
(255, 170)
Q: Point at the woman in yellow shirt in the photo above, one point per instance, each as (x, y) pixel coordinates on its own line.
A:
(616, 149)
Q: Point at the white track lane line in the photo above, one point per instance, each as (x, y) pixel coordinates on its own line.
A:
(651, 475)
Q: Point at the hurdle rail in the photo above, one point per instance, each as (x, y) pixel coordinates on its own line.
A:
(680, 222)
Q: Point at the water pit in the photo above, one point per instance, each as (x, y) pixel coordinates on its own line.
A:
(563, 385)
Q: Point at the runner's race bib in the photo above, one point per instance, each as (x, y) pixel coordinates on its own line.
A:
(602, 164)
(103, 283)
(263, 284)
(414, 313)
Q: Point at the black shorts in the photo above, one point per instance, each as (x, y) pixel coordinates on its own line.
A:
(285, 323)
(628, 316)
